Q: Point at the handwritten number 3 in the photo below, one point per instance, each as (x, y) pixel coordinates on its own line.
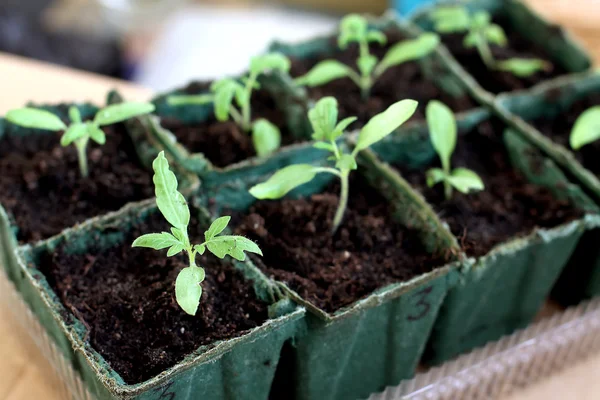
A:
(423, 305)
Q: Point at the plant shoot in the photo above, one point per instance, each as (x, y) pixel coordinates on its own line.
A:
(324, 120)
(355, 29)
(174, 208)
(231, 99)
(586, 129)
(78, 132)
(442, 132)
(481, 32)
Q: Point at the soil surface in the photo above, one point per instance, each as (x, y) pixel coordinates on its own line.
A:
(559, 130)
(500, 81)
(45, 193)
(508, 207)
(224, 143)
(405, 81)
(126, 296)
(367, 252)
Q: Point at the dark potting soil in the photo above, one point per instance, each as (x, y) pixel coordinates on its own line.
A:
(500, 81)
(367, 252)
(224, 143)
(126, 297)
(405, 81)
(559, 130)
(509, 206)
(43, 190)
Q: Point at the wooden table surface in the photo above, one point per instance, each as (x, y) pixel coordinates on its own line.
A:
(25, 375)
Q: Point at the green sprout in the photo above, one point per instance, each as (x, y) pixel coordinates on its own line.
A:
(174, 208)
(586, 129)
(354, 28)
(480, 34)
(78, 132)
(231, 98)
(323, 118)
(442, 132)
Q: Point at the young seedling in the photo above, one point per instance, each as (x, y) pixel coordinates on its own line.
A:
(442, 132)
(586, 129)
(354, 28)
(174, 208)
(481, 32)
(323, 118)
(78, 132)
(231, 98)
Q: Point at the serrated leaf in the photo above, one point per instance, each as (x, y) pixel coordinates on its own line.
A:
(442, 130)
(266, 137)
(74, 114)
(122, 112)
(194, 99)
(347, 162)
(464, 180)
(216, 227)
(188, 290)
(385, 123)
(323, 117)
(74, 132)
(523, 67)
(156, 241)
(353, 28)
(409, 50)
(495, 34)
(36, 119)
(376, 36)
(284, 180)
(234, 246)
(434, 176)
(269, 62)
(323, 146)
(324, 72)
(170, 202)
(586, 128)
(175, 249)
(451, 19)
(96, 134)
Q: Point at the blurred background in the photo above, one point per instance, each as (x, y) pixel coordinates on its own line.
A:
(162, 44)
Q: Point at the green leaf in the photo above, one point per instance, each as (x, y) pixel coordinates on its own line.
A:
(96, 133)
(323, 146)
(200, 248)
(324, 72)
(269, 62)
(234, 246)
(265, 137)
(586, 129)
(121, 112)
(194, 99)
(471, 39)
(408, 50)
(188, 290)
(366, 64)
(480, 20)
(224, 91)
(35, 118)
(465, 181)
(451, 19)
(495, 34)
(170, 202)
(156, 241)
(74, 114)
(435, 176)
(523, 67)
(353, 28)
(347, 162)
(179, 234)
(376, 36)
(74, 132)
(175, 249)
(342, 125)
(442, 130)
(323, 117)
(216, 227)
(284, 180)
(384, 123)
